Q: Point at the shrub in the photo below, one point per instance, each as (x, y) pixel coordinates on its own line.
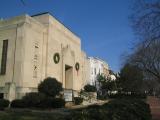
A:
(38, 100)
(46, 103)
(18, 103)
(4, 103)
(50, 87)
(120, 109)
(96, 113)
(141, 108)
(89, 88)
(50, 102)
(125, 95)
(33, 99)
(78, 100)
(127, 109)
(92, 112)
(58, 103)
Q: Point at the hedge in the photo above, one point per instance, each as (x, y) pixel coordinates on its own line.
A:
(90, 88)
(125, 95)
(18, 103)
(127, 109)
(4, 103)
(120, 109)
(78, 100)
(38, 100)
(33, 100)
(58, 103)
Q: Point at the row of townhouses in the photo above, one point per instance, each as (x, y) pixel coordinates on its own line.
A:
(96, 67)
(33, 48)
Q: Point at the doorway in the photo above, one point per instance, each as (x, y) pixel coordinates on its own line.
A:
(68, 77)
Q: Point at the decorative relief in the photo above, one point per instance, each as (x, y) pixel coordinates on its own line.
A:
(36, 58)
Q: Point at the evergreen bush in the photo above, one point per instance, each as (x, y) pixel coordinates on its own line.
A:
(50, 87)
(90, 88)
(78, 100)
(33, 99)
(4, 103)
(127, 96)
(58, 103)
(119, 109)
(18, 103)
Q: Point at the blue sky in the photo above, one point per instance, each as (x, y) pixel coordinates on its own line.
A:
(102, 25)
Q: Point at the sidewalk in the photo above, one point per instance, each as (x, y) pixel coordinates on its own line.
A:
(154, 106)
(99, 102)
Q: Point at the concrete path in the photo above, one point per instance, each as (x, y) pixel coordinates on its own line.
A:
(154, 106)
(99, 102)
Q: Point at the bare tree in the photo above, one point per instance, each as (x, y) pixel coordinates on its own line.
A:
(146, 24)
(146, 19)
(148, 58)
(22, 1)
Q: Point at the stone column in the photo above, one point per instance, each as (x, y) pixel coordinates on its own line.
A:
(10, 91)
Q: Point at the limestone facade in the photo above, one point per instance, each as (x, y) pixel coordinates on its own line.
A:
(32, 43)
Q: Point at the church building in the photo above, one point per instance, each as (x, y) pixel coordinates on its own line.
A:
(33, 48)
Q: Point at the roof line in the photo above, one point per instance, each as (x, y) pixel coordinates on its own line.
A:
(40, 14)
(58, 21)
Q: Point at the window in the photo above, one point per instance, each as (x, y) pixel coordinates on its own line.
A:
(95, 71)
(3, 54)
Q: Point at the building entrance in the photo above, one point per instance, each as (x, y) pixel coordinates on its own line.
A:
(68, 77)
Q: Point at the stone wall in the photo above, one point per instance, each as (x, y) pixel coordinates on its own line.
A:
(32, 43)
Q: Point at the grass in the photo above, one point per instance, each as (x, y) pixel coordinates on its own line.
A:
(30, 115)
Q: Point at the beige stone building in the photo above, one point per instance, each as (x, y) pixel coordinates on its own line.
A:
(35, 47)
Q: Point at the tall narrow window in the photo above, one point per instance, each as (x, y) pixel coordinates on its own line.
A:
(4, 47)
(95, 71)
